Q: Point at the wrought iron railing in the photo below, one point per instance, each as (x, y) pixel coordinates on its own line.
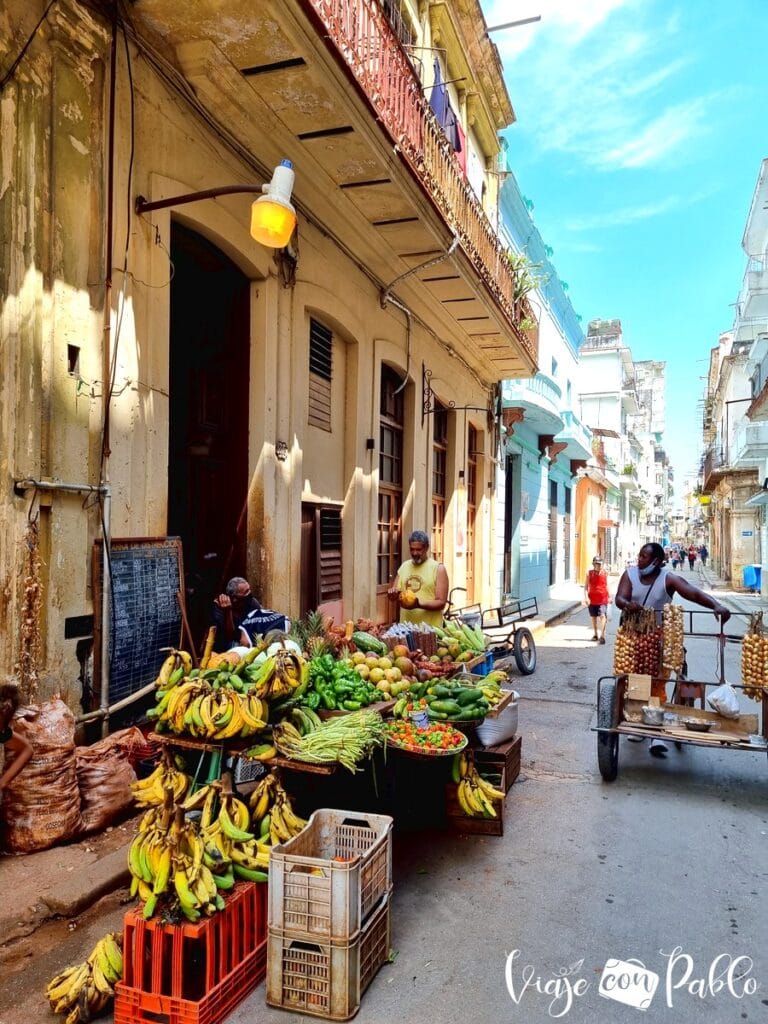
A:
(366, 43)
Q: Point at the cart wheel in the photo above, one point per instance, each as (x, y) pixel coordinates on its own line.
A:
(524, 650)
(607, 743)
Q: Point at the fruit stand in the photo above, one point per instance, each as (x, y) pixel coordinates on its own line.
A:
(330, 716)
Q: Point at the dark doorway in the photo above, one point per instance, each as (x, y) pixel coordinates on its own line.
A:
(512, 513)
(552, 531)
(567, 534)
(208, 418)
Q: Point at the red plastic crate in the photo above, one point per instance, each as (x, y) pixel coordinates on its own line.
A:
(133, 1006)
(190, 961)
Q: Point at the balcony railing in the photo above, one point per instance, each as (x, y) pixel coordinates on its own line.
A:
(541, 385)
(714, 460)
(365, 42)
(750, 444)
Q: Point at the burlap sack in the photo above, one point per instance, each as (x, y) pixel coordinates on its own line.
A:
(41, 806)
(104, 775)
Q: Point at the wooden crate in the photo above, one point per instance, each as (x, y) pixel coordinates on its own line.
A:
(458, 821)
(504, 756)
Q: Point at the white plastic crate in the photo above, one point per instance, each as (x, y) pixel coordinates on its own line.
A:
(326, 979)
(325, 881)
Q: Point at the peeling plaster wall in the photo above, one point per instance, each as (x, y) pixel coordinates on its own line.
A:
(53, 174)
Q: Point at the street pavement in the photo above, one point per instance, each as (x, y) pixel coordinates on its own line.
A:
(670, 856)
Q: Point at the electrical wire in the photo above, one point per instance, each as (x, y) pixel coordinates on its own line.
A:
(12, 69)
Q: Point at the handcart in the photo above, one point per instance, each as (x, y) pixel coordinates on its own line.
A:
(618, 714)
(502, 627)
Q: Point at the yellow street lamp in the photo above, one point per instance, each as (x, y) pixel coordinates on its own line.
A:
(273, 217)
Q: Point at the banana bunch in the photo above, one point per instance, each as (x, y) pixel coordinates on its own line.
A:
(305, 719)
(228, 836)
(167, 862)
(85, 990)
(272, 816)
(284, 674)
(475, 794)
(204, 711)
(150, 792)
(491, 686)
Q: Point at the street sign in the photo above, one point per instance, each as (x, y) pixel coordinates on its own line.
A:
(746, 533)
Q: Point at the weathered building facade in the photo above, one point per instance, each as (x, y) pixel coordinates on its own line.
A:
(291, 414)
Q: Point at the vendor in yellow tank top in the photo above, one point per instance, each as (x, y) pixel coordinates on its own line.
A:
(422, 579)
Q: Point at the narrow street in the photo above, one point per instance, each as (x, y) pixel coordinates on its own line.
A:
(671, 856)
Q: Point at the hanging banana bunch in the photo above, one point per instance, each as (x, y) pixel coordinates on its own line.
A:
(272, 816)
(283, 674)
(150, 792)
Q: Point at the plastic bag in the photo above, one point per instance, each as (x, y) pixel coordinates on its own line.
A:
(725, 701)
(609, 611)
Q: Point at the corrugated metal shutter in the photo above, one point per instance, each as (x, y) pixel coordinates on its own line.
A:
(329, 554)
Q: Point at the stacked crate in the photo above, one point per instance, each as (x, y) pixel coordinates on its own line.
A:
(329, 913)
(193, 973)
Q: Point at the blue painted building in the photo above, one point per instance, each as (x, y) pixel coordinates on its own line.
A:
(543, 441)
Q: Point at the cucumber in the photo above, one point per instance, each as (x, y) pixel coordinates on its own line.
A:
(368, 643)
(446, 707)
(468, 696)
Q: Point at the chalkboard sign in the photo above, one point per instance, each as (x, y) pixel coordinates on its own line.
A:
(147, 574)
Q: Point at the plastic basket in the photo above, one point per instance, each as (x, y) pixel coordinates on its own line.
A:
(188, 961)
(326, 979)
(314, 894)
(133, 1006)
(246, 769)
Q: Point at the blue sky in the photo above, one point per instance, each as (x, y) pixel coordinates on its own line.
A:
(641, 125)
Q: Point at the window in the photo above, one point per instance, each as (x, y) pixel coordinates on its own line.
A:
(390, 477)
(439, 475)
(554, 367)
(320, 374)
(568, 393)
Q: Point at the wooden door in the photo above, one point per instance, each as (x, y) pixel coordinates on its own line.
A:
(552, 531)
(208, 418)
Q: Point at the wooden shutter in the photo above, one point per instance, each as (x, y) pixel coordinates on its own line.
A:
(320, 374)
(328, 554)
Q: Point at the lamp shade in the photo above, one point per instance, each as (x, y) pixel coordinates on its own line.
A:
(273, 217)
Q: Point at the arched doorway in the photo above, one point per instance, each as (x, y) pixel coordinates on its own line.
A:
(208, 417)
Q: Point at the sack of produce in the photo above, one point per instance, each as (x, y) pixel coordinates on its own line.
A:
(41, 806)
(496, 730)
(104, 775)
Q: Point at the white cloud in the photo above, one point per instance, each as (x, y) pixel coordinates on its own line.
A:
(592, 80)
(632, 214)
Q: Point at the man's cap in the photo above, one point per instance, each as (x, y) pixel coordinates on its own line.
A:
(597, 558)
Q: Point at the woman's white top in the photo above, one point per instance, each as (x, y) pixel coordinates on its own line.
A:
(653, 594)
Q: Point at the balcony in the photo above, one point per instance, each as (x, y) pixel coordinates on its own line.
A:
(539, 399)
(714, 466)
(575, 435)
(753, 300)
(628, 478)
(750, 444)
(362, 39)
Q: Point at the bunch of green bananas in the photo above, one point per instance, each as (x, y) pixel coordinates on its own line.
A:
(166, 861)
(242, 845)
(475, 794)
(150, 792)
(85, 990)
(204, 711)
(272, 816)
(283, 674)
(491, 686)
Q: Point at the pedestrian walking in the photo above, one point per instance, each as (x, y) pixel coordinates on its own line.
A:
(597, 598)
(703, 554)
(691, 556)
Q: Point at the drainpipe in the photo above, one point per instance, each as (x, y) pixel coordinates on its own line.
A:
(20, 486)
(386, 297)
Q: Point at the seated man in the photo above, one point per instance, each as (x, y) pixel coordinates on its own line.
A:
(238, 616)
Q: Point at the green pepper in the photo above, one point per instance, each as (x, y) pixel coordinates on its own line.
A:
(312, 700)
(351, 705)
